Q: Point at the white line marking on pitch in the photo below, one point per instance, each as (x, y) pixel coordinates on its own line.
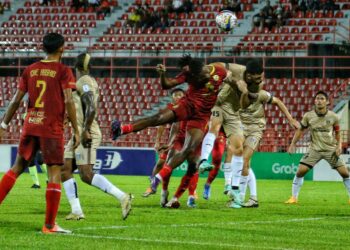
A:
(232, 246)
(205, 224)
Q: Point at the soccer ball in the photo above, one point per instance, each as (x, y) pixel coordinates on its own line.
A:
(226, 20)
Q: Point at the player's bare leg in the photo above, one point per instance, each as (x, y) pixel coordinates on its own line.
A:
(166, 116)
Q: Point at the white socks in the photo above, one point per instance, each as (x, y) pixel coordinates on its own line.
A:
(207, 145)
(237, 165)
(105, 185)
(252, 185)
(227, 169)
(243, 185)
(70, 186)
(346, 182)
(297, 183)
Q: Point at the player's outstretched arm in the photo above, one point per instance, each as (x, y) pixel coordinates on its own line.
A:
(87, 100)
(11, 110)
(167, 83)
(70, 107)
(298, 134)
(294, 123)
(338, 150)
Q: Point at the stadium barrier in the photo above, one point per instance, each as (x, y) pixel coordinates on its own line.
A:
(140, 161)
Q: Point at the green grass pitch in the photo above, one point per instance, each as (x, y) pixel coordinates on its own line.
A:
(319, 221)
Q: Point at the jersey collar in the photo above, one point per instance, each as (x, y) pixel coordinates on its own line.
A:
(321, 115)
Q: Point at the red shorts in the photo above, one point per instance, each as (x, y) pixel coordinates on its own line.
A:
(52, 149)
(188, 111)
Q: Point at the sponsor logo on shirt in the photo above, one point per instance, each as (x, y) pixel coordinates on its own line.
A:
(36, 117)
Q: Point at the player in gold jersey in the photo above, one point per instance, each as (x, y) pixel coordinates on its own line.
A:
(85, 98)
(254, 123)
(325, 144)
(225, 114)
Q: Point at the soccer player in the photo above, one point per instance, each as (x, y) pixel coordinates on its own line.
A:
(175, 144)
(254, 123)
(204, 82)
(38, 159)
(225, 114)
(176, 95)
(49, 86)
(84, 156)
(325, 144)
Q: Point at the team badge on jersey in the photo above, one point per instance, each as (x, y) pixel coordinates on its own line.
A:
(209, 86)
(216, 77)
(86, 88)
(78, 156)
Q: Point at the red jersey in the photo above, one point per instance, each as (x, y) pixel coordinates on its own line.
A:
(45, 81)
(204, 97)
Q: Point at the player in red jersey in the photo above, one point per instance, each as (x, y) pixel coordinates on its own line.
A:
(175, 144)
(163, 150)
(195, 108)
(49, 86)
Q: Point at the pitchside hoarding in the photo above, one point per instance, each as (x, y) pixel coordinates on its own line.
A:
(140, 161)
(119, 161)
(281, 166)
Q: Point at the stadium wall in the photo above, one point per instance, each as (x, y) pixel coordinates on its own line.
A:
(140, 161)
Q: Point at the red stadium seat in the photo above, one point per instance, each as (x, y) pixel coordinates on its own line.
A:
(339, 14)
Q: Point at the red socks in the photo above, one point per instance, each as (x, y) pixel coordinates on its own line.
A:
(128, 128)
(6, 184)
(53, 196)
(165, 172)
(218, 151)
(185, 182)
(165, 182)
(193, 184)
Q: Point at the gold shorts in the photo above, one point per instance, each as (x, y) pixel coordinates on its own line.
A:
(252, 138)
(230, 120)
(83, 156)
(312, 157)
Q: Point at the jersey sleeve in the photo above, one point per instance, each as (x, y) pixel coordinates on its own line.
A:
(180, 78)
(336, 119)
(305, 121)
(67, 78)
(84, 85)
(23, 82)
(265, 97)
